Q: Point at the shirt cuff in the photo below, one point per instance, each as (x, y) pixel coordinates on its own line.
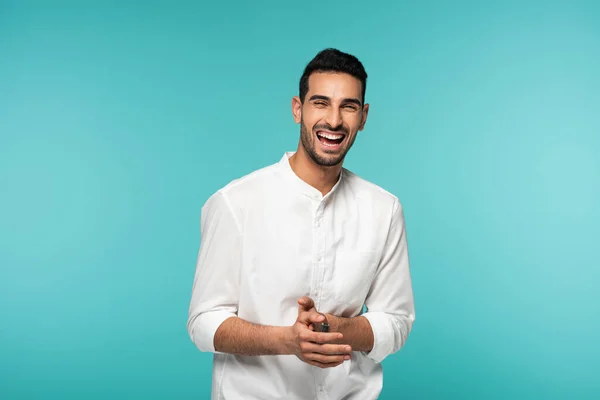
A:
(383, 335)
(206, 326)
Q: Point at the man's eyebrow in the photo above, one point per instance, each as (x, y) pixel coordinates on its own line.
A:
(348, 100)
(319, 97)
(353, 100)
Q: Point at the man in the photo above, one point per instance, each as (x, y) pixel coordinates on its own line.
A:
(300, 245)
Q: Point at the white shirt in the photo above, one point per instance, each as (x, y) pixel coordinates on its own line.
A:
(269, 238)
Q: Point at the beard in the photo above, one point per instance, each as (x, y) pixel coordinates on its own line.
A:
(308, 140)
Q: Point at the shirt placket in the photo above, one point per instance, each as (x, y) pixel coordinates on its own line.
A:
(320, 254)
(317, 283)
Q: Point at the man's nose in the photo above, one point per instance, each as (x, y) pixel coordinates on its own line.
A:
(334, 117)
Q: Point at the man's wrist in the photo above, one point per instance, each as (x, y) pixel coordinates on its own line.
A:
(335, 322)
(286, 340)
(357, 331)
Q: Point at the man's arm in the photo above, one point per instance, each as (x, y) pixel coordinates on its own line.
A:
(213, 323)
(215, 290)
(238, 336)
(384, 328)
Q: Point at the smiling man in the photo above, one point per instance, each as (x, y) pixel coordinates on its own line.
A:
(302, 284)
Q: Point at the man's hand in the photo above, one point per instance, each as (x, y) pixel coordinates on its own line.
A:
(316, 348)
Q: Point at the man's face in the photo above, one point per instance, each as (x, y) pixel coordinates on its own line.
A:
(330, 117)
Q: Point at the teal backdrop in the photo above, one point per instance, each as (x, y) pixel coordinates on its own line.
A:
(118, 119)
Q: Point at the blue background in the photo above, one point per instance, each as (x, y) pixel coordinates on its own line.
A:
(119, 119)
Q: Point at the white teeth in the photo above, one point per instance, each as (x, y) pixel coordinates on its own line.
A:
(331, 136)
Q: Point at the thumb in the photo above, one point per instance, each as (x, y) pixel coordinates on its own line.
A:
(305, 303)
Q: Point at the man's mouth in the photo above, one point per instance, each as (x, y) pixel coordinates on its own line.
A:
(331, 139)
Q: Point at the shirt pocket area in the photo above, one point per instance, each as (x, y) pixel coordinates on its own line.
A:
(353, 273)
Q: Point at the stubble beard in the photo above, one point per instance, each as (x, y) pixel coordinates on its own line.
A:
(310, 147)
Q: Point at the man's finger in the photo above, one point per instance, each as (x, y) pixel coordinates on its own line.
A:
(305, 303)
(310, 317)
(320, 337)
(327, 349)
(315, 317)
(321, 361)
(321, 365)
(325, 337)
(325, 359)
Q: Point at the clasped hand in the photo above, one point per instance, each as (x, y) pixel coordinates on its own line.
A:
(320, 349)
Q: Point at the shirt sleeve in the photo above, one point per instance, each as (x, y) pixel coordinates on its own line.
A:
(216, 281)
(390, 302)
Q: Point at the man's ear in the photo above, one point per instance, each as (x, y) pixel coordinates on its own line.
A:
(364, 117)
(297, 109)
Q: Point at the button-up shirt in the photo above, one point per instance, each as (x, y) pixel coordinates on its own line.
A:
(267, 239)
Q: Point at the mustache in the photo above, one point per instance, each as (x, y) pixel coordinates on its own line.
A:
(327, 127)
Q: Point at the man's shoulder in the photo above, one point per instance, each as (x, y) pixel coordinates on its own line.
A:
(241, 189)
(367, 189)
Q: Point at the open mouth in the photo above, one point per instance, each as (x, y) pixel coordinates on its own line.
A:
(330, 139)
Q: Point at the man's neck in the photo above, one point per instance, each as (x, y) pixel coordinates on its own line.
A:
(321, 178)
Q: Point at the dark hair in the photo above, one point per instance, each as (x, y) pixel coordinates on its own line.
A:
(333, 60)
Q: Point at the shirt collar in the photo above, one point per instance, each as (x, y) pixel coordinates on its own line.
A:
(300, 185)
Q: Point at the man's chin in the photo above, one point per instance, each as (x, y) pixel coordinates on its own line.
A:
(328, 160)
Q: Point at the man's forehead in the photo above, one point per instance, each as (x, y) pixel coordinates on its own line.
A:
(339, 84)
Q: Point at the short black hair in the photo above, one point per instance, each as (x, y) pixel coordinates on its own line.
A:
(334, 60)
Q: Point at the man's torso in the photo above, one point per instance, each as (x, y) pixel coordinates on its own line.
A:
(296, 242)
